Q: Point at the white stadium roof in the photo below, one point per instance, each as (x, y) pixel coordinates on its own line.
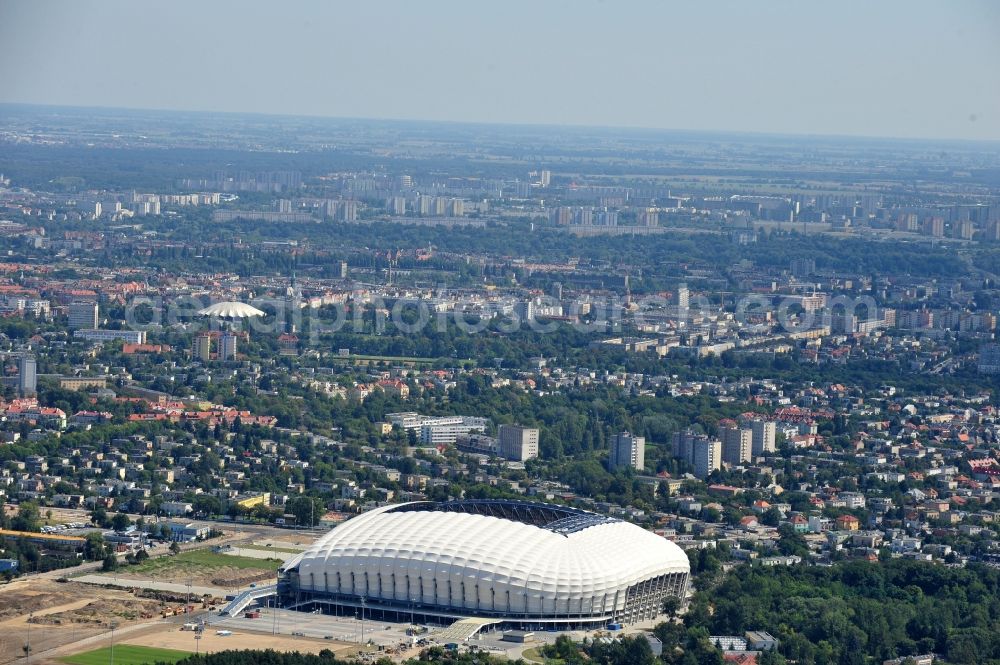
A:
(231, 310)
(493, 557)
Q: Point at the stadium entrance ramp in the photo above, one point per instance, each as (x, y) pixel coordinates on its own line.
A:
(240, 602)
(462, 630)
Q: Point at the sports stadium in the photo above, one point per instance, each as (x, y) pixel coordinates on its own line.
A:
(521, 564)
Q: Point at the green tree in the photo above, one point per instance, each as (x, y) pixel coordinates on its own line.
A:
(120, 522)
(28, 518)
(671, 606)
(94, 548)
(99, 516)
(307, 510)
(206, 504)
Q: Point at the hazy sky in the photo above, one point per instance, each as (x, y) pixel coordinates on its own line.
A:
(911, 68)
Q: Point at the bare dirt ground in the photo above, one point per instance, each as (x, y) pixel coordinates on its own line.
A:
(224, 577)
(169, 636)
(102, 610)
(50, 614)
(58, 613)
(69, 618)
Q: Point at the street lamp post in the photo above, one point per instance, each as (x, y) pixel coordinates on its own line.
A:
(276, 611)
(363, 619)
(113, 626)
(27, 646)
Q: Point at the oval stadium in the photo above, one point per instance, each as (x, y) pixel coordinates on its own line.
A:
(523, 564)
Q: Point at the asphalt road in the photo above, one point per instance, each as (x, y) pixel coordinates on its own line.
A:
(250, 529)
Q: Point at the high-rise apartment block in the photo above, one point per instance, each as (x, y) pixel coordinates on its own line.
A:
(683, 297)
(706, 454)
(203, 348)
(627, 451)
(27, 380)
(737, 445)
(764, 434)
(82, 315)
(517, 443)
(227, 347)
(396, 205)
(703, 453)
(648, 217)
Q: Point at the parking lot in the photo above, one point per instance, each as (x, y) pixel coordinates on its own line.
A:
(70, 528)
(384, 634)
(322, 626)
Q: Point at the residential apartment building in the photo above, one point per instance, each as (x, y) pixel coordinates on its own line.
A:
(83, 315)
(627, 451)
(517, 443)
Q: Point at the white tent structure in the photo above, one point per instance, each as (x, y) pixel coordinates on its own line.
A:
(231, 310)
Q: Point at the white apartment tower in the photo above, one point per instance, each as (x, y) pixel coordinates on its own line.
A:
(706, 455)
(737, 445)
(517, 443)
(763, 436)
(27, 379)
(227, 347)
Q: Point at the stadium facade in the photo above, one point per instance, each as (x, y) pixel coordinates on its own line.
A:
(523, 564)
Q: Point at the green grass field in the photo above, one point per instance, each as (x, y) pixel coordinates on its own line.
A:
(264, 548)
(534, 654)
(126, 654)
(202, 560)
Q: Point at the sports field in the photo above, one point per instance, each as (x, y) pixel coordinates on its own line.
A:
(126, 654)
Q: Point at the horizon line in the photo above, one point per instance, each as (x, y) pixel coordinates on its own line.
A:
(514, 124)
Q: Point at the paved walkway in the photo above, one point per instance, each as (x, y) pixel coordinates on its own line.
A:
(125, 583)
